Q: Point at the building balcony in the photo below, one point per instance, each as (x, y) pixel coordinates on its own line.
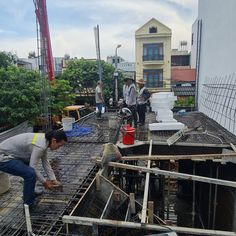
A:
(153, 59)
(154, 84)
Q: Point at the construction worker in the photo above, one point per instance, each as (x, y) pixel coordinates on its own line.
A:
(110, 153)
(20, 154)
(142, 98)
(99, 99)
(130, 100)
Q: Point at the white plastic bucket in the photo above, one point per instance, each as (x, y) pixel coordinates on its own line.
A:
(4, 182)
(67, 123)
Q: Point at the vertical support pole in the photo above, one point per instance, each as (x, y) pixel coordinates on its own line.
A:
(150, 212)
(168, 195)
(132, 203)
(67, 229)
(146, 188)
(215, 199)
(28, 221)
(194, 197)
(98, 182)
(209, 202)
(95, 230)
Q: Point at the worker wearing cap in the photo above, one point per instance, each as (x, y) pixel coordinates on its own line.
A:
(20, 154)
(141, 101)
(130, 99)
(99, 98)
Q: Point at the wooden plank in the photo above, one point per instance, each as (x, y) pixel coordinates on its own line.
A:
(132, 203)
(233, 147)
(175, 137)
(146, 188)
(107, 204)
(175, 174)
(124, 224)
(174, 157)
(179, 157)
(136, 202)
(150, 212)
(98, 182)
(28, 220)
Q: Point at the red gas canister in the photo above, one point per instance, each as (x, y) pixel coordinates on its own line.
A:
(128, 135)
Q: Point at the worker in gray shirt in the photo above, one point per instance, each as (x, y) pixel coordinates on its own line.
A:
(20, 154)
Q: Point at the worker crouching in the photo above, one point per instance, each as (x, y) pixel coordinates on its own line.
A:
(20, 154)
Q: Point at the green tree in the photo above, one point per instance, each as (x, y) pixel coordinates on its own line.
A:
(187, 102)
(61, 96)
(19, 95)
(6, 59)
(83, 75)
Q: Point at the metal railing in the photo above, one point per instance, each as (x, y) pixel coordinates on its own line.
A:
(157, 57)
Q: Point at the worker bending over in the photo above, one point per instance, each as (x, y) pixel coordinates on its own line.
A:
(20, 154)
(110, 152)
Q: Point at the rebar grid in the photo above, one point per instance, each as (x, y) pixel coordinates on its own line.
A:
(73, 168)
(218, 100)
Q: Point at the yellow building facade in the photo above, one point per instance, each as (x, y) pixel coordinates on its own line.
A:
(153, 55)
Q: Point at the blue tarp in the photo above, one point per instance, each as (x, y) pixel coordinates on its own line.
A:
(78, 131)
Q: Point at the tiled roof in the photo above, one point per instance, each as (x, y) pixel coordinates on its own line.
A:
(182, 74)
(184, 91)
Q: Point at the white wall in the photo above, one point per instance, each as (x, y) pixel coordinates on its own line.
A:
(217, 59)
(194, 45)
(218, 45)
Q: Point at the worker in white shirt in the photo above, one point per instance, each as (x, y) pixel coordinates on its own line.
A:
(99, 98)
(131, 96)
(142, 98)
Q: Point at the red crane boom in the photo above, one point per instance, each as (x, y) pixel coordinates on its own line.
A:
(45, 41)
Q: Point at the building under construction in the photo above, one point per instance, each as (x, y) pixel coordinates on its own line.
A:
(177, 183)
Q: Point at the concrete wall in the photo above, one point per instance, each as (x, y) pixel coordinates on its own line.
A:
(217, 58)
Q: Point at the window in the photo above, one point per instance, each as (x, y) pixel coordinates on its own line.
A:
(153, 52)
(153, 30)
(153, 78)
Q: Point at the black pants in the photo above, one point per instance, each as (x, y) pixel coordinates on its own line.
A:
(133, 109)
(141, 113)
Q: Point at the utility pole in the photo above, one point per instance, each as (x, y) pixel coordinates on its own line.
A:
(116, 74)
(96, 34)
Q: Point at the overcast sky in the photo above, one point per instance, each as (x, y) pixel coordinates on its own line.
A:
(71, 24)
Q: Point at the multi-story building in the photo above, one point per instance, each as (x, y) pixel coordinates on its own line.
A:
(180, 57)
(112, 60)
(153, 55)
(127, 68)
(213, 56)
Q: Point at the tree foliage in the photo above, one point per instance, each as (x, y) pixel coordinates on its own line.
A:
(6, 59)
(19, 95)
(61, 96)
(21, 92)
(188, 102)
(83, 74)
